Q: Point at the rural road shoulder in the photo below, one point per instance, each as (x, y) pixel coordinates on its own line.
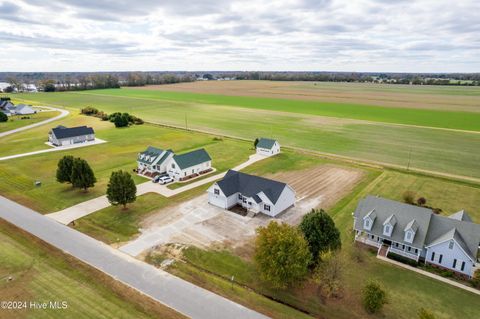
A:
(62, 114)
(178, 294)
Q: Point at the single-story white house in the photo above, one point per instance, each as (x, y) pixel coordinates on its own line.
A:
(61, 135)
(154, 161)
(450, 242)
(267, 147)
(254, 193)
(23, 109)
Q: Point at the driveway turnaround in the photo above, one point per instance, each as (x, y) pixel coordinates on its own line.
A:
(70, 214)
(62, 114)
(55, 149)
(178, 294)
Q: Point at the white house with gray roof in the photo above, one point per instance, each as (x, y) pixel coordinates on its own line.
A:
(154, 161)
(267, 147)
(62, 136)
(10, 109)
(254, 193)
(417, 233)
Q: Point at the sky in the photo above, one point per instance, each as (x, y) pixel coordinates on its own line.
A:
(216, 35)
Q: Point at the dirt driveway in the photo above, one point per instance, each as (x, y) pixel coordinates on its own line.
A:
(198, 223)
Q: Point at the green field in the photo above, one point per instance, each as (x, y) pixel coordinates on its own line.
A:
(17, 176)
(16, 121)
(407, 291)
(297, 123)
(42, 274)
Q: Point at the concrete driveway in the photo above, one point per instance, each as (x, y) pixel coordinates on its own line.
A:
(178, 294)
(70, 214)
(62, 114)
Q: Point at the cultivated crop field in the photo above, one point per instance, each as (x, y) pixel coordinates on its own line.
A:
(362, 128)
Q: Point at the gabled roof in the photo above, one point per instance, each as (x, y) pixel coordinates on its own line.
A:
(372, 215)
(404, 213)
(461, 215)
(250, 186)
(467, 234)
(392, 220)
(63, 132)
(151, 154)
(192, 158)
(413, 225)
(265, 143)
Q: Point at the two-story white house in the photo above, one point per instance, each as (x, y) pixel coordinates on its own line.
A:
(154, 161)
(451, 242)
(267, 147)
(254, 193)
(62, 136)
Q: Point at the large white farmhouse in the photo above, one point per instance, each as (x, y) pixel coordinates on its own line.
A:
(154, 161)
(419, 234)
(61, 135)
(254, 193)
(267, 147)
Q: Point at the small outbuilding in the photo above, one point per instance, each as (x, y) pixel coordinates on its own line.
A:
(62, 136)
(267, 147)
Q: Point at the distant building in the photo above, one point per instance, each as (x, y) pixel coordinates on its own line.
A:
(62, 136)
(267, 147)
(22, 109)
(417, 233)
(254, 193)
(154, 161)
(10, 109)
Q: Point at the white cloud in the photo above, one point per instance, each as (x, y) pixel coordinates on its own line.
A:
(335, 35)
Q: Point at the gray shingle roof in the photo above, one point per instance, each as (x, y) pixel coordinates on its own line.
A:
(192, 158)
(63, 132)
(153, 152)
(467, 234)
(404, 214)
(250, 186)
(430, 228)
(265, 143)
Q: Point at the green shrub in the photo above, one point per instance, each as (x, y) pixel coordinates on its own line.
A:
(374, 297)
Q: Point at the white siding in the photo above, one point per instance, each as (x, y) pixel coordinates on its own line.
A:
(269, 152)
(286, 200)
(448, 256)
(176, 172)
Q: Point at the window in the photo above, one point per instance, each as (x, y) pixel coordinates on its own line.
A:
(416, 251)
(454, 263)
(440, 259)
(266, 207)
(409, 235)
(463, 265)
(245, 200)
(433, 256)
(367, 223)
(387, 229)
(450, 245)
(173, 165)
(250, 203)
(216, 191)
(403, 247)
(409, 248)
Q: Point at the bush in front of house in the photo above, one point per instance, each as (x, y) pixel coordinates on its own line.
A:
(402, 259)
(476, 279)
(374, 297)
(3, 117)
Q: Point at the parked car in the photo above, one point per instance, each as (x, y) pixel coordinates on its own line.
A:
(156, 179)
(165, 180)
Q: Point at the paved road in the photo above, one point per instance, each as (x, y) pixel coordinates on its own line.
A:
(70, 214)
(62, 114)
(180, 295)
(54, 149)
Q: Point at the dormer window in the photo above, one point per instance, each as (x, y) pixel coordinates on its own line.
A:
(369, 219)
(387, 230)
(388, 225)
(367, 224)
(410, 231)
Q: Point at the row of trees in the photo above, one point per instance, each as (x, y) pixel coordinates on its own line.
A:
(121, 189)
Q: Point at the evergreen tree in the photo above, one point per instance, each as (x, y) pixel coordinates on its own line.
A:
(320, 232)
(3, 117)
(255, 143)
(121, 189)
(64, 169)
(82, 174)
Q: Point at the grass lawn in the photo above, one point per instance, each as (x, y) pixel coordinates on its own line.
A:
(297, 125)
(17, 176)
(407, 290)
(43, 274)
(16, 121)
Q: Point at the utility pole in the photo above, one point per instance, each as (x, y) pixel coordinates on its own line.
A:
(409, 158)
